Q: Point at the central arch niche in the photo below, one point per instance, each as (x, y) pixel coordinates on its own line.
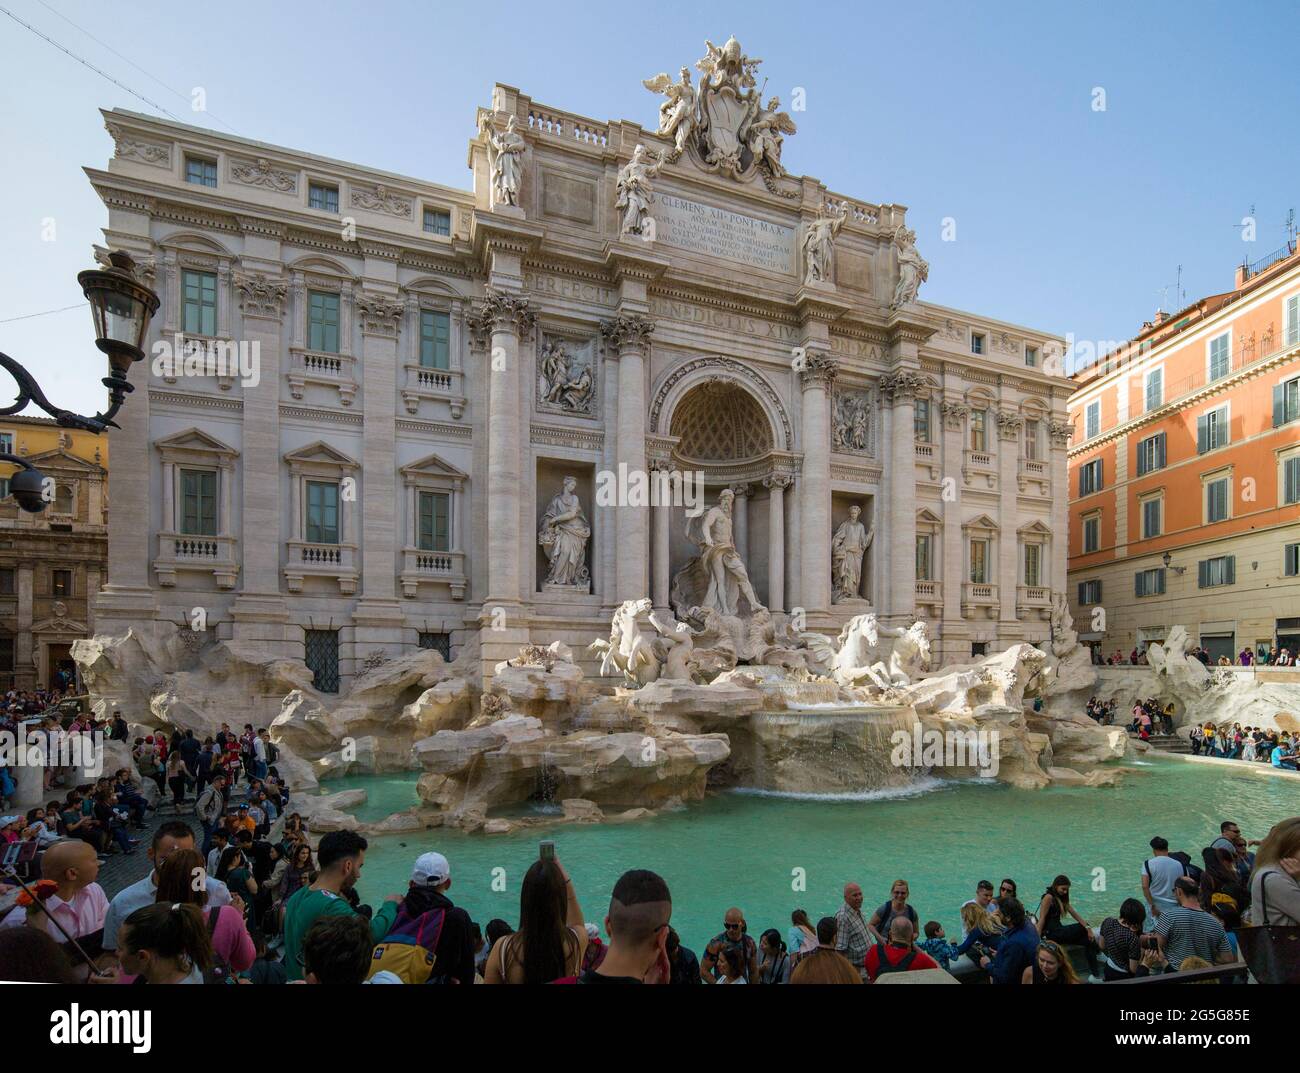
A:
(719, 421)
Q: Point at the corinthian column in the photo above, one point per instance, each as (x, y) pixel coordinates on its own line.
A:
(629, 334)
(504, 320)
(740, 516)
(776, 485)
(900, 389)
(815, 499)
(659, 579)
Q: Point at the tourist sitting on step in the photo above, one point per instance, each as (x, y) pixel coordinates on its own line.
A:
(1053, 907)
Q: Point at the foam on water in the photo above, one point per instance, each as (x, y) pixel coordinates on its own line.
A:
(922, 785)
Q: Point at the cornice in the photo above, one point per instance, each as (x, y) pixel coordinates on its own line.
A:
(436, 429)
(317, 414)
(191, 400)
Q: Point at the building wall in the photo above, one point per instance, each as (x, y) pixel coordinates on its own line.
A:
(1264, 353)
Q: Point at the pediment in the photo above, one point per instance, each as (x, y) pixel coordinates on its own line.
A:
(195, 439)
(981, 521)
(928, 517)
(321, 453)
(433, 466)
(61, 625)
(61, 458)
(1034, 528)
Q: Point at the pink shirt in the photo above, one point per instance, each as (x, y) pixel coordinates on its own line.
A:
(82, 915)
(230, 940)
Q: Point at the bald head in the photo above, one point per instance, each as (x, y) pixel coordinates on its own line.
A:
(70, 863)
(852, 895)
(901, 931)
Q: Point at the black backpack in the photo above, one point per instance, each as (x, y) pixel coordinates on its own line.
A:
(904, 963)
(220, 972)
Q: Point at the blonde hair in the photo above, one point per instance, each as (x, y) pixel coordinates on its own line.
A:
(1282, 841)
(974, 915)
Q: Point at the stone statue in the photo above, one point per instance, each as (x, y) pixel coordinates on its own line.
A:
(913, 270)
(506, 154)
(677, 114)
(851, 425)
(630, 647)
(766, 134)
(560, 384)
(864, 656)
(717, 577)
(564, 534)
(819, 242)
(727, 99)
(635, 193)
(848, 546)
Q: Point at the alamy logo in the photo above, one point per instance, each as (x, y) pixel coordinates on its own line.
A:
(80, 1026)
(178, 356)
(53, 748)
(950, 749)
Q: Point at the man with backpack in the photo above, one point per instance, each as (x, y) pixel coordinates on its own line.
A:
(210, 808)
(1159, 873)
(900, 954)
(431, 940)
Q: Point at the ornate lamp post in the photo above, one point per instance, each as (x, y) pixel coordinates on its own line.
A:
(122, 308)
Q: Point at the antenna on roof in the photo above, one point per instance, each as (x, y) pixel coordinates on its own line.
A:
(1290, 228)
(1181, 294)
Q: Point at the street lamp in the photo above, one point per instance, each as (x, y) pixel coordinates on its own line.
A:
(122, 308)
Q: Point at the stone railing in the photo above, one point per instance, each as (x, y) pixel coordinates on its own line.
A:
(924, 450)
(312, 559)
(319, 367)
(979, 459)
(188, 553)
(422, 382)
(442, 567)
(929, 593)
(1033, 598)
(552, 121)
(980, 597)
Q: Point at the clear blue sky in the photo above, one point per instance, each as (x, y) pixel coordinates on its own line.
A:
(1068, 219)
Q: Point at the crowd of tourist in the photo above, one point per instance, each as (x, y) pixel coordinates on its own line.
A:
(273, 909)
(1247, 657)
(1253, 744)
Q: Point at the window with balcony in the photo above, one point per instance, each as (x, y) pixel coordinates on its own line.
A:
(321, 515)
(1151, 454)
(1033, 565)
(323, 321)
(1152, 511)
(198, 302)
(1221, 570)
(1149, 582)
(198, 502)
(979, 439)
(1033, 440)
(435, 521)
(924, 552)
(1216, 359)
(200, 172)
(323, 197)
(1216, 500)
(979, 562)
(433, 551)
(435, 339)
(437, 221)
(1212, 429)
(197, 481)
(921, 421)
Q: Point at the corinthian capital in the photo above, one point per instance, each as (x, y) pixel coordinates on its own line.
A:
(1060, 431)
(500, 311)
(260, 296)
(901, 385)
(778, 480)
(627, 330)
(379, 312)
(816, 368)
(1009, 424)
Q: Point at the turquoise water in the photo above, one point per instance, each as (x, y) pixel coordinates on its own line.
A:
(745, 849)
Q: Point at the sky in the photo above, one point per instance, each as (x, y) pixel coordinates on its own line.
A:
(1059, 161)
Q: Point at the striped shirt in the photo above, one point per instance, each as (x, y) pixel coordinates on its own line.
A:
(851, 936)
(1191, 933)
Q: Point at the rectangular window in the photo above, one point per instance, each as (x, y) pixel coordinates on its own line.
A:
(320, 196)
(321, 654)
(4, 487)
(1031, 357)
(1216, 500)
(198, 502)
(1151, 520)
(1090, 591)
(979, 430)
(1151, 454)
(1092, 420)
(1291, 560)
(6, 582)
(979, 562)
(923, 557)
(435, 521)
(438, 642)
(435, 339)
(7, 657)
(1091, 533)
(1293, 320)
(1218, 357)
(1090, 477)
(61, 583)
(1155, 389)
(1286, 401)
(1033, 560)
(7, 442)
(1219, 571)
(322, 512)
(199, 303)
(1031, 440)
(922, 420)
(200, 172)
(976, 343)
(1211, 429)
(1149, 582)
(437, 221)
(1291, 480)
(323, 321)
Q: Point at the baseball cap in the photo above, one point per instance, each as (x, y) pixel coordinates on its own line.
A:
(431, 869)
(5, 821)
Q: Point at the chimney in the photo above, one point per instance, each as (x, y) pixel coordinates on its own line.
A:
(1160, 317)
(1243, 274)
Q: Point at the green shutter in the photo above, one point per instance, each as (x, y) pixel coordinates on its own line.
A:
(1201, 434)
(1230, 570)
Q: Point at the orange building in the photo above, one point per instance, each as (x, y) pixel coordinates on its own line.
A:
(1184, 474)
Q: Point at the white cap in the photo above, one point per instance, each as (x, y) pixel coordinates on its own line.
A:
(431, 869)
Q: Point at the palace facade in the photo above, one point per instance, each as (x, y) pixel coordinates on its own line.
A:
(391, 381)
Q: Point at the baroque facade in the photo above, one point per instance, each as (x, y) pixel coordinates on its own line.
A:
(51, 564)
(447, 382)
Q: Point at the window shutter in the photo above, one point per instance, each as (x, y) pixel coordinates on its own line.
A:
(1137, 583)
(1083, 486)
(1101, 480)
(1279, 404)
(1291, 481)
(1293, 320)
(1200, 434)
(1202, 573)
(1160, 451)
(1230, 570)
(1160, 582)
(1083, 591)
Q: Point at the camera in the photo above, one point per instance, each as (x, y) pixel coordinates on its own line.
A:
(27, 486)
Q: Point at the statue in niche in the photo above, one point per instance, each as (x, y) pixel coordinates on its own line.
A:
(851, 427)
(564, 534)
(913, 270)
(848, 548)
(562, 384)
(819, 242)
(717, 578)
(635, 192)
(506, 155)
(676, 114)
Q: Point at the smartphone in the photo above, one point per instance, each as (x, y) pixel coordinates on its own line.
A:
(547, 850)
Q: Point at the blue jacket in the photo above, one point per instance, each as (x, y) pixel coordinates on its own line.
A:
(1016, 953)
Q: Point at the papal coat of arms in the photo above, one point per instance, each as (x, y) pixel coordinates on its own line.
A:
(723, 122)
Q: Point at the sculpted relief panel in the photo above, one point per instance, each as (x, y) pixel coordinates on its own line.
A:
(566, 376)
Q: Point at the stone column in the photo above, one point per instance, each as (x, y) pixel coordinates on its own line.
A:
(950, 558)
(660, 572)
(169, 524)
(1059, 431)
(629, 335)
(24, 655)
(740, 515)
(900, 389)
(776, 485)
(816, 376)
(1008, 565)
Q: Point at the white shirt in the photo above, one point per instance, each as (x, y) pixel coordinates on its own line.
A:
(1164, 872)
(143, 893)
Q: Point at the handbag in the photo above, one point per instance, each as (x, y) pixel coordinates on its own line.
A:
(1271, 951)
